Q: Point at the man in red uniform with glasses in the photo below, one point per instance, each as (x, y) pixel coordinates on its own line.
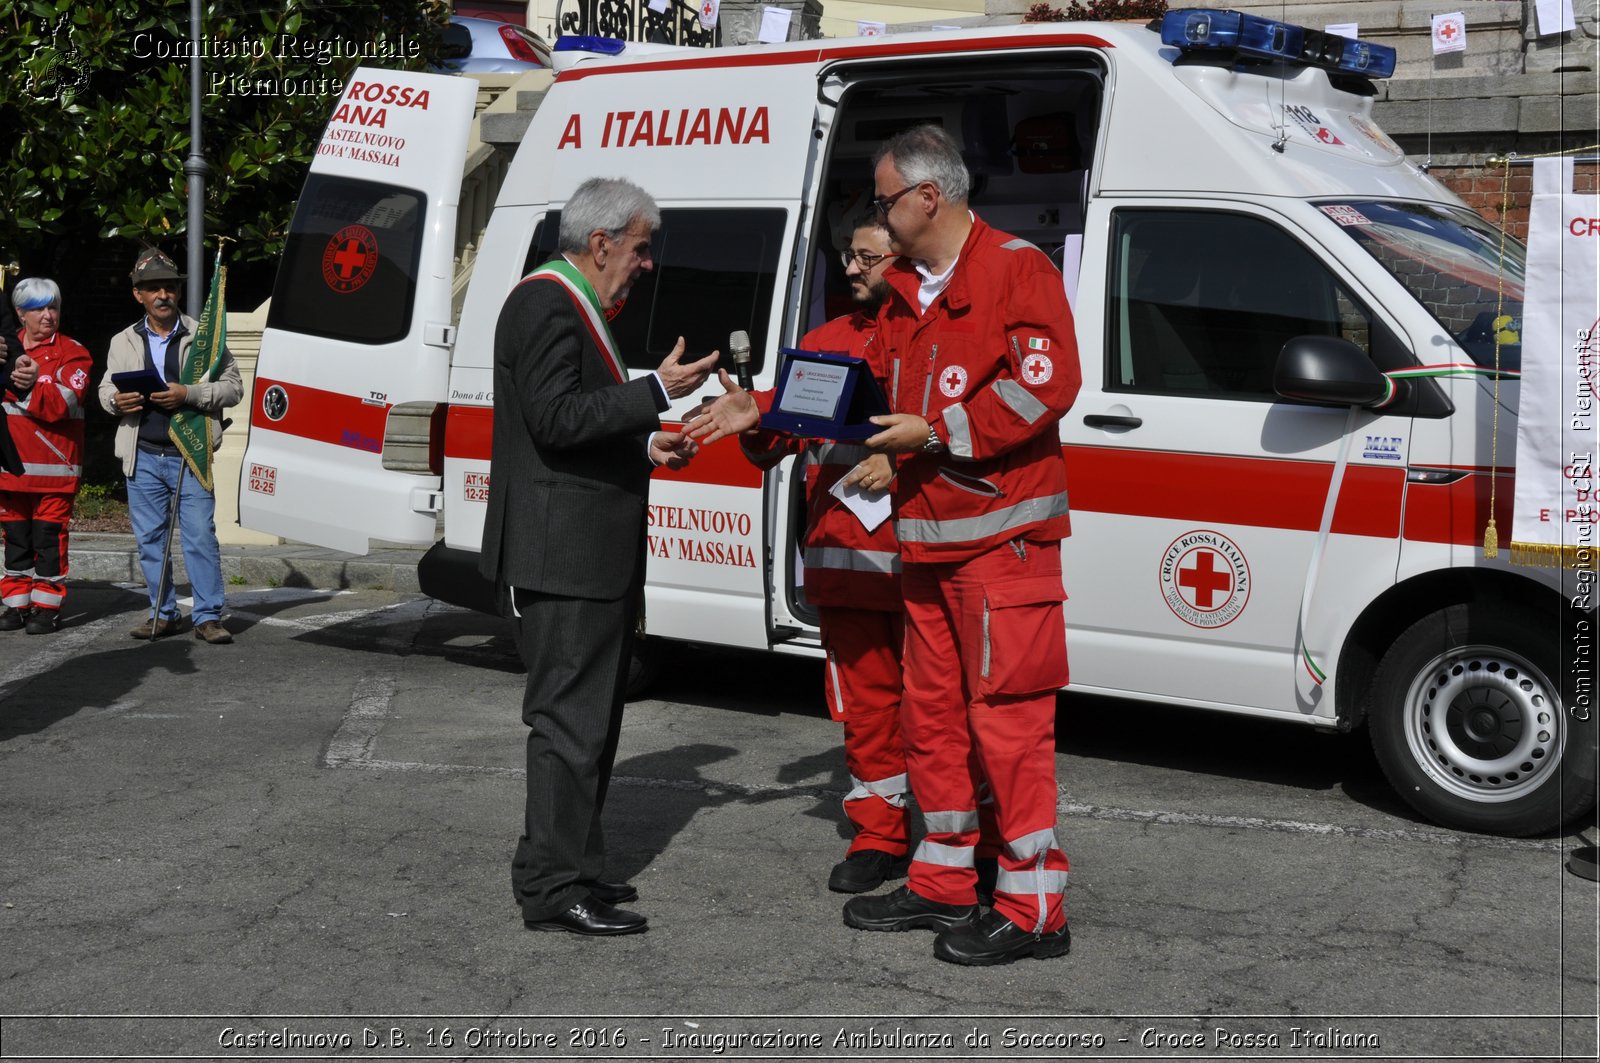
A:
(979, 337)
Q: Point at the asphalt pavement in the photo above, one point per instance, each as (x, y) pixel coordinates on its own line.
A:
(296, 846)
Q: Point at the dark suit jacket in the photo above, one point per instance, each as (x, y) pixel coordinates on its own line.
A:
(570, 470)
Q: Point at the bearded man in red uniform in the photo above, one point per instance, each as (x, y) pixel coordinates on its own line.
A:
(979, 339)
(852, 576)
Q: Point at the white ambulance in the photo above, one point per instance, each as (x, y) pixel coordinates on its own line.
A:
(1280, 464)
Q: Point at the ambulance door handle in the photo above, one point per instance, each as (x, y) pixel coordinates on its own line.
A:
(1108, 420)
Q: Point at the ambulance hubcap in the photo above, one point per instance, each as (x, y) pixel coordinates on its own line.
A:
(1484, 723)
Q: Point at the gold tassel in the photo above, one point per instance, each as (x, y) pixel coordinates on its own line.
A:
(1491, 539)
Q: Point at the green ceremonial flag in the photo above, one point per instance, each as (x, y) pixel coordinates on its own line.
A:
(189, 428)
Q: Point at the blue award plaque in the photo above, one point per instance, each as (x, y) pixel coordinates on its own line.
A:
(823, 395)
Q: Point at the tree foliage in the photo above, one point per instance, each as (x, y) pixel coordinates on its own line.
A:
(96, 129)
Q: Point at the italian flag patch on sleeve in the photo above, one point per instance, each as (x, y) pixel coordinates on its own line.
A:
(1038, 343)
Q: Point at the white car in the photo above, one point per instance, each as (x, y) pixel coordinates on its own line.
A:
(486, 46)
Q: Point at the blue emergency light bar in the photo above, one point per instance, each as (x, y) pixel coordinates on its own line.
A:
(1205, 29)
(579, 43)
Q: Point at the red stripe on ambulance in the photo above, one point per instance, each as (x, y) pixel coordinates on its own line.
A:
(321, 416)
(825, 55)
(1223, 489)
(1458, 512)
(469, 436)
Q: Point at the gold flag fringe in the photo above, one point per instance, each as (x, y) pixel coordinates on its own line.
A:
(1550, 555)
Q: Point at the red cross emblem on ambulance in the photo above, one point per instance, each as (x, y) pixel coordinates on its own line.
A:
(952, 382)
(351, 258)
(1205, 579)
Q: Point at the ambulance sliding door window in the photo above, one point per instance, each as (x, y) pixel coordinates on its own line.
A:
(349, 269)
(1201, 302)
(715, 272)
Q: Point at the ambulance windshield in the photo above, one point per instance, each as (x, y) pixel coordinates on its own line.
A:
(1452, 262)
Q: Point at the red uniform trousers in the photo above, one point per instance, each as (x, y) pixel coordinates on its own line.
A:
(985, 654)
(35, 527)
(863, 692)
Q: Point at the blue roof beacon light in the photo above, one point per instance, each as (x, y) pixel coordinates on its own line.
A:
(597, 45)
(1205, 29)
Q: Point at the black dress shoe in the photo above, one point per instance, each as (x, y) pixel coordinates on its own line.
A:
(904, 910)
(994, 939)
(592, 918)
(862, 870)
(611, 892)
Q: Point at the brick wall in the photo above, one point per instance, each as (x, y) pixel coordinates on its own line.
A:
(1484, 189)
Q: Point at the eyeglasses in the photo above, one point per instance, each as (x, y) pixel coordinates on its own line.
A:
(865, 259)
(884, 204)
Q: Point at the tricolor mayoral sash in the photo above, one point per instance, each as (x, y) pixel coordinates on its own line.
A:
(582, 293)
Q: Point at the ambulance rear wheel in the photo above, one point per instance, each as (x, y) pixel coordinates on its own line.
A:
(1469, 722)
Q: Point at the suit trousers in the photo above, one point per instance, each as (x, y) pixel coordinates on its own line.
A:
(577, 652)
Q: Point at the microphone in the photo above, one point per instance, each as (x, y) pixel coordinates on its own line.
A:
(739, 345)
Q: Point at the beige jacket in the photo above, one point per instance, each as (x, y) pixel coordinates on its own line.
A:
(212, 397)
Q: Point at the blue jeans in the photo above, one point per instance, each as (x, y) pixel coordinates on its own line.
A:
(150, 489)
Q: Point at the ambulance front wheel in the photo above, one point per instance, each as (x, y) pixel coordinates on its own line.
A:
(1471, 723)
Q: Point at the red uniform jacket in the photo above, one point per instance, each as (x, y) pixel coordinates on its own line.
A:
(992, 366)
(46, 421)
(846, 565)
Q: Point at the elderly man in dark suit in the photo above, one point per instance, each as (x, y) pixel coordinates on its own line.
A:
(575, 439)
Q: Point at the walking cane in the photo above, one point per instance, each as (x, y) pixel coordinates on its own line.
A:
(166, 556)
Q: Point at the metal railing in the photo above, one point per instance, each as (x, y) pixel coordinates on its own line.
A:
(634, 20)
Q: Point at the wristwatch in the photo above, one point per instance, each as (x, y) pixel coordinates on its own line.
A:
(934, 445)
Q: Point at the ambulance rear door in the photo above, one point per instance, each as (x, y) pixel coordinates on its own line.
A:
(725, 142)
(360, 319)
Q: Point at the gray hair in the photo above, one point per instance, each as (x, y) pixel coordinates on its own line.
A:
(927, 153)
(609, 204)
(33, 292)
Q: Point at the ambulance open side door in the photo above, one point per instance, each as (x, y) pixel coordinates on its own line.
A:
(360, 327)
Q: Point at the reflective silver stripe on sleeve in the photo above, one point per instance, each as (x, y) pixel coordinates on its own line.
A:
(842, 558)
(1017, 244)
(894, 384)
(1026, 883)
(950, 822)
(74, 407)
(943, 855)
(955, 423)
(891, 790)
(1031, 845)
(31, 469)
(11, 407)
(971, 529)
(1020, 400)
(837, 454)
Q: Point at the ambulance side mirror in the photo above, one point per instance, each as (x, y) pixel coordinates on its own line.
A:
(1328, 371)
